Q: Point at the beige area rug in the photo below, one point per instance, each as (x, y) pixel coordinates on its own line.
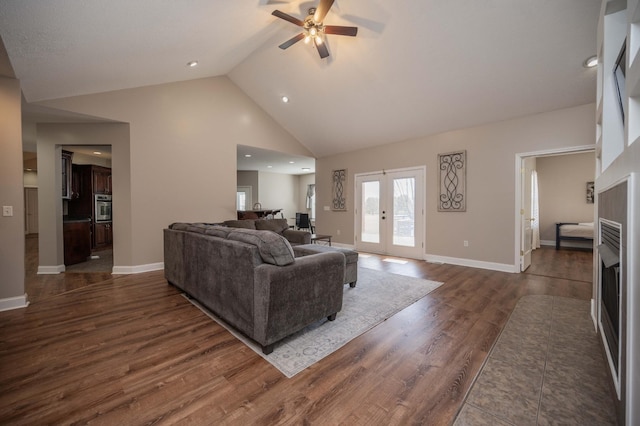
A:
(377, 296)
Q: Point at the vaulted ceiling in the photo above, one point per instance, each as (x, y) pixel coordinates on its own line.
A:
(416, 67)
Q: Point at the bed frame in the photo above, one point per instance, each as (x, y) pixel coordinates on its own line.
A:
(560, 237)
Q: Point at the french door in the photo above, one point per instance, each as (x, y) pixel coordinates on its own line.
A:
(390, 213)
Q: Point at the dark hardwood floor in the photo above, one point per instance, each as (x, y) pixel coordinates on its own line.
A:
(131, 350)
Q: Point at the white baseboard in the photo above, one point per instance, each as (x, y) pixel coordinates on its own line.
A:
(594, 314)
(49, 270)
(501, 267)
(138, 269)
(14, 303)
(547, 243)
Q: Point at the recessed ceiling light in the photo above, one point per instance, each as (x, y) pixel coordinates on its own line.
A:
(247, 155)
(97, 152)
(192, 64)
(285, 99)
(269, 167)
(306, 169)
(590, 62)
(292, 162)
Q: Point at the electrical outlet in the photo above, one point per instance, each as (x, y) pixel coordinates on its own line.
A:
(327, 208)
(338, 232)
(7, 210)
(466, 243)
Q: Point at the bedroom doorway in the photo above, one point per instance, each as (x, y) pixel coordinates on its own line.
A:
(562, 177)
(389, 213)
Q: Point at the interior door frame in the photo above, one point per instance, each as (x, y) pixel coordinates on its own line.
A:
(420, 214)
(519, 164)
(525, 216)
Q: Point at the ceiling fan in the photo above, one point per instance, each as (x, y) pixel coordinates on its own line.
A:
(313, 27)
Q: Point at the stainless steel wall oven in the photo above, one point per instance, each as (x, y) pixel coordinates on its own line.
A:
(103, 208)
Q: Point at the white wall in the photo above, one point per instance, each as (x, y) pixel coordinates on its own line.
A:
(489, 222)
(30, 179)
(279, 191)
(181, 158)
(12, 269)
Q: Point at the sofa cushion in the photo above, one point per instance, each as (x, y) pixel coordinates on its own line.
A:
(219, 231)
(179, 226)
(273, 248)
(275, 225)
(200, 228)
(246, 223)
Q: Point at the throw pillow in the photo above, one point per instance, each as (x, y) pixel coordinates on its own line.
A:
(273, 248)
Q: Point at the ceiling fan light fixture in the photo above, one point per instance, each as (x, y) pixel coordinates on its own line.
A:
(318, 40)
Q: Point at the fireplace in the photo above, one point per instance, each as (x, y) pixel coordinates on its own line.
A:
(612, 286)
(610, 294)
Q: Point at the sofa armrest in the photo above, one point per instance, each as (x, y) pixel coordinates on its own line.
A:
(288, 298)
(297, 237)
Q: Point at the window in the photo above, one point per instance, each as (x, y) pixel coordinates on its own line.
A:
(311, 199)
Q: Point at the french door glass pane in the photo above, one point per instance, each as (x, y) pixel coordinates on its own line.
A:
(370, 212)
(404, 201)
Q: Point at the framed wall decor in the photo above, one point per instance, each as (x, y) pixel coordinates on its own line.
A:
(338, 190)
(590, 192)
(453, 181)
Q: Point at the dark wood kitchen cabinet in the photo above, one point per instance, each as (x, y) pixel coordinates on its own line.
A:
(102, 235)
(77, 240)
(67, 158)
(89, 180)
(101, 180)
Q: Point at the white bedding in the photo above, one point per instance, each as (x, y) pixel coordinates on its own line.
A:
(583, 230)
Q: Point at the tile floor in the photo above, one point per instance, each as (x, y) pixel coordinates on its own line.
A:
(546, 368)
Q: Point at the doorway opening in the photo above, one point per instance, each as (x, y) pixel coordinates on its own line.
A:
(561, 178)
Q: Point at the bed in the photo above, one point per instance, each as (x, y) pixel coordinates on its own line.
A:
(573, 232)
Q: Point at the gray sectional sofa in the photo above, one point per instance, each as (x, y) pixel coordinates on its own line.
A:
(252, 280)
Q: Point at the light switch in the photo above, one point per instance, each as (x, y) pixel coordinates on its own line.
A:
(7, 210)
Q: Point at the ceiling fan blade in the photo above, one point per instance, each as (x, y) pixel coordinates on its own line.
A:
(322, 48)
(286, 17)
(339, 30)
(322, 10)
(291, 41)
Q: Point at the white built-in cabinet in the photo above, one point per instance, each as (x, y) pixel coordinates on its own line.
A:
(618, 162)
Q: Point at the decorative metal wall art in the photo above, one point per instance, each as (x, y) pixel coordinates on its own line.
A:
(453, 182)
(590, 192)
(338, 194)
